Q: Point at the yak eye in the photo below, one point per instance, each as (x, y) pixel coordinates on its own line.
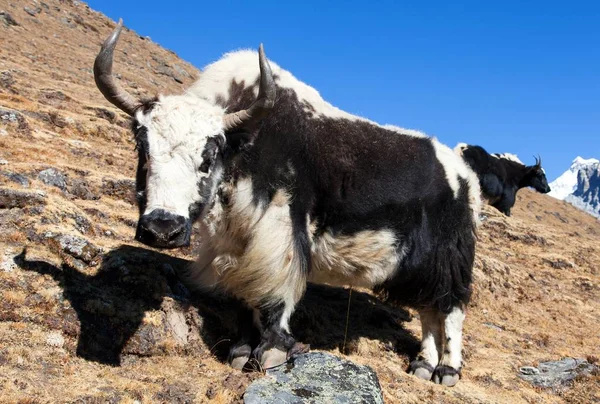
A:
(205, 166)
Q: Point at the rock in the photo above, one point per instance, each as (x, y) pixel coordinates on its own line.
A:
(75, 246)
(81, 189)
(12, 117)
(7, 263)
(6, 79)
(104, 113)
(58, 120)
(558, 263)
(7, 19)
(120, 189)
(18, 178)
(3, 162)
(55, 339)
(316, 377)
(53, 177)
(52, 97)
(13, 198)
(32, 11)
(556, 374)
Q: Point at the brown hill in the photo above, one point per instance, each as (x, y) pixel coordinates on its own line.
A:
(87, 314)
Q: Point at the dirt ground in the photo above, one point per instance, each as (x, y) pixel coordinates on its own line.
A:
(89, 315)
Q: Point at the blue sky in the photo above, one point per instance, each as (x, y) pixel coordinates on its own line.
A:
(520, 77)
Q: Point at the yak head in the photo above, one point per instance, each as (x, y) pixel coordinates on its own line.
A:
(181, 142)
(536, 177)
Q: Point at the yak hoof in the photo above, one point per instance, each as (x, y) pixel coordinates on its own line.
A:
(273, 357)
(239, 355)
(239, 362)
(421, 369)
(446, 376)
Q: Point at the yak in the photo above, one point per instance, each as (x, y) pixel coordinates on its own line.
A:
(502, 175)
(287, 189)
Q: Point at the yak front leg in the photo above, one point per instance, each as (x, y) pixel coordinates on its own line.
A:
(248, 336)
(271, 277)
(276, 339)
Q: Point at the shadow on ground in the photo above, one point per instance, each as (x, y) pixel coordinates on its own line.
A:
(110, 307)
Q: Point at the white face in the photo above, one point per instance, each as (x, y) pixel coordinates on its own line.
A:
(183, 135)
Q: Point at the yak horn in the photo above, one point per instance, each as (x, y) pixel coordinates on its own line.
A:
(105, 81)
(263, 103)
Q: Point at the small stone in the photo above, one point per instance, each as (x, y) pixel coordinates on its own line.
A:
(8, 19)
(76, 247)
(81, 189)
(121, 189)
(7, 264)
(18, 178)
(13, 198)
(32, 11)
(6, 79)
(529, 370)
(55, 339)
(12, 117)
(3, 162)
(53, 177)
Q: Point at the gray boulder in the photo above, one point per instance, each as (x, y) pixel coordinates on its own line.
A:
(556, 374)
(53, 177)
(316, 377)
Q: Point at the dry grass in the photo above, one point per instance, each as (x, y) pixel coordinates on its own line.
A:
(537, 280)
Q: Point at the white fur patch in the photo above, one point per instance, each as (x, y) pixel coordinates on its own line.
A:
(256, 259)
(178, 128)
(453, 326)
(404, 131)
(432, 337)
(242, 66)
(455, 168)
(460, 148)
(364, 259)
(508, 156)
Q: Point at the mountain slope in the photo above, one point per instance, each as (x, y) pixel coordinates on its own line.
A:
(89, 315)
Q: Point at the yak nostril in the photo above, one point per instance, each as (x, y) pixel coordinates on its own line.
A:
(176, 232)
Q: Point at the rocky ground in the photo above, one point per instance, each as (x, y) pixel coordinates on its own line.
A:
(89, 315)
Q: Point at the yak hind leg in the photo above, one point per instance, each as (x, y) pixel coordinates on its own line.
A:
(448, 370)
(440, 359)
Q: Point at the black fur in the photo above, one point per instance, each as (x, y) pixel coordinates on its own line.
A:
(351, 176)
(500, 178)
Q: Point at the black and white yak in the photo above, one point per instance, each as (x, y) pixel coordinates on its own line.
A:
(502, 175)
(290, 189)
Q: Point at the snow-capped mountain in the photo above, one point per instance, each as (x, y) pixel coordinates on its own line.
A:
(580, 185)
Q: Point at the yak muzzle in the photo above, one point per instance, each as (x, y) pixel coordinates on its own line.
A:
(162, 229)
